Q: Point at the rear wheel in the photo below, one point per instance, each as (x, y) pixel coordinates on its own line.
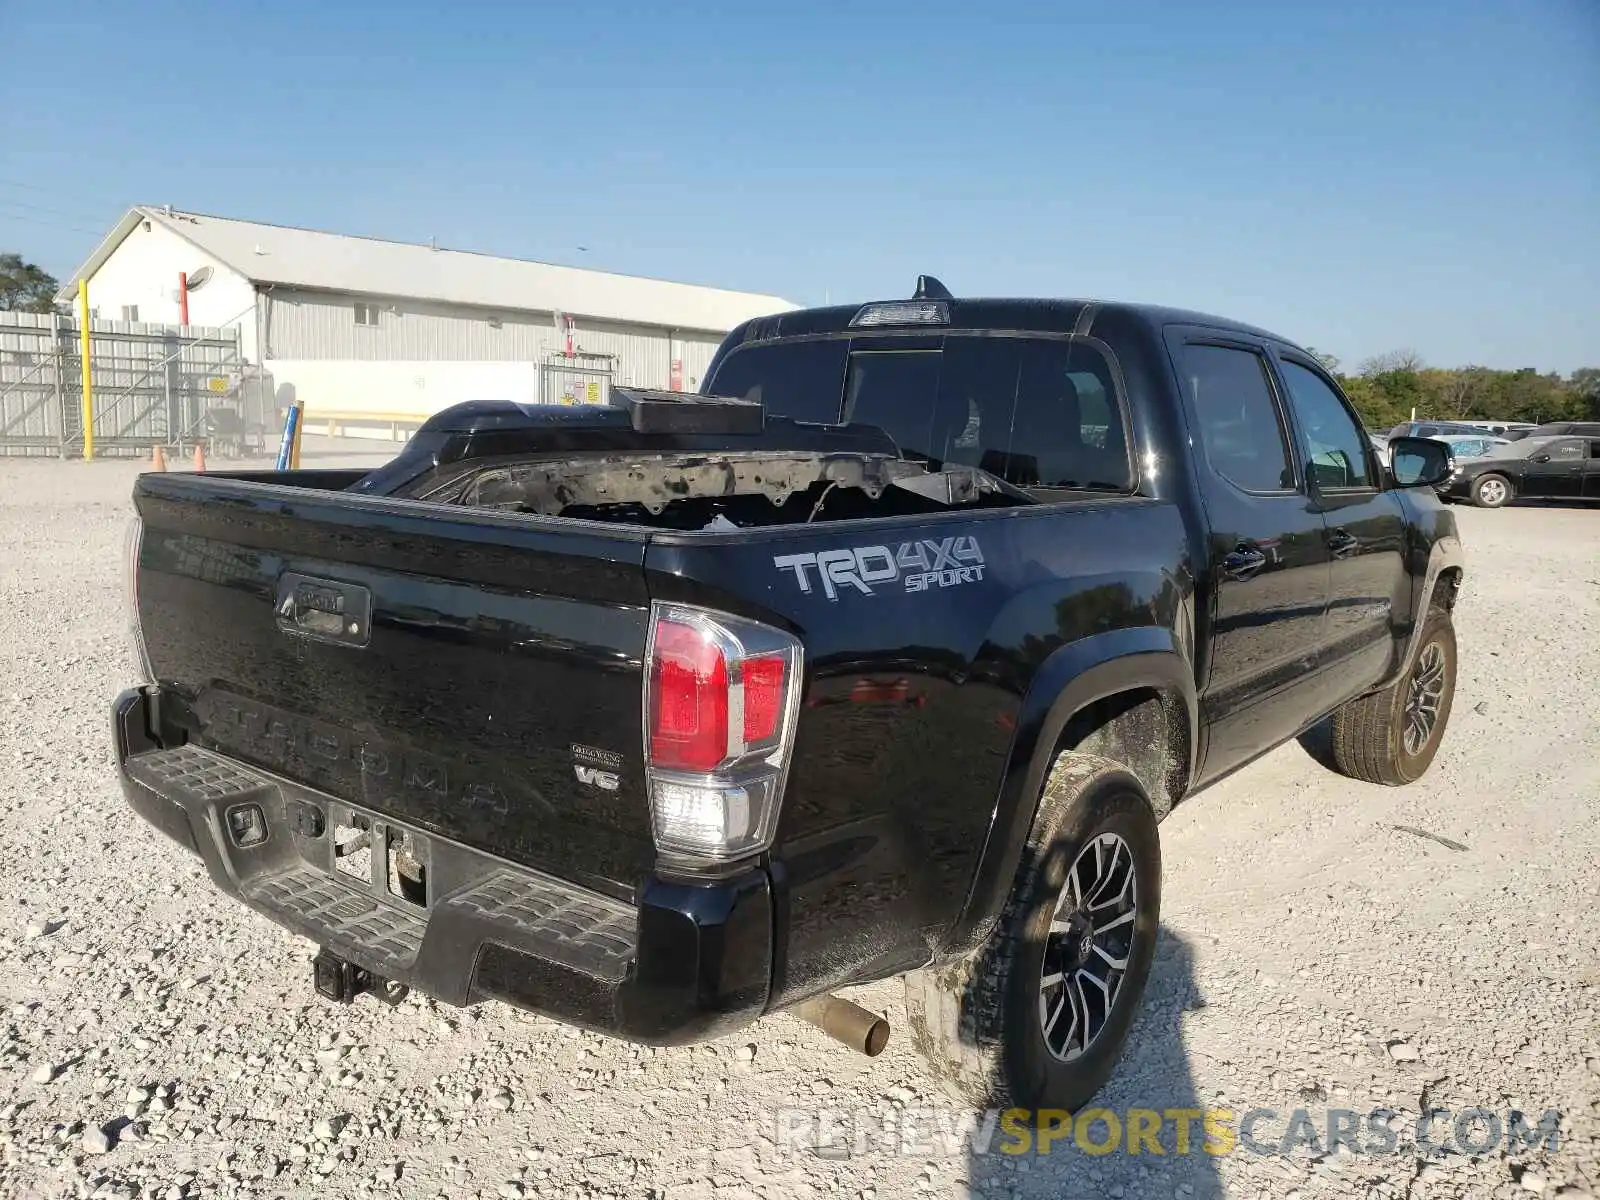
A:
(1037, 1016)
(1390, 737)
(1491, 491)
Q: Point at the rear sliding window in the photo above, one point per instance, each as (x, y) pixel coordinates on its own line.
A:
(798, 380)
(1040, 414)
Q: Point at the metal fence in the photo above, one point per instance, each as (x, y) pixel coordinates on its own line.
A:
(150, 385)
(562, 382)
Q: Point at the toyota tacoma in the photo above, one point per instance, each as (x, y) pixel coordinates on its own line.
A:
(884, 656)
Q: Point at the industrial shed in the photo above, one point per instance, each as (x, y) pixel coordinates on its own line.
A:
(375, 335)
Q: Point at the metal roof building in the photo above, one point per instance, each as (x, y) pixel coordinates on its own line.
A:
(360, 325)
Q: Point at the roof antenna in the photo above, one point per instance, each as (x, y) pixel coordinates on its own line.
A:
(929, 288)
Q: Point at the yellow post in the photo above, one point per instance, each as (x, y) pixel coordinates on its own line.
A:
(299, 429)
(83, 339)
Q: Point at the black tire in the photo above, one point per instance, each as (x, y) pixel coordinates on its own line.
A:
(978, 1020)
(1370, 733)
(1500, 491)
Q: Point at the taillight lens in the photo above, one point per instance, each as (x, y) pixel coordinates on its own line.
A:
(130, 567)
(763, 697)
(721, 699)
(689, 697)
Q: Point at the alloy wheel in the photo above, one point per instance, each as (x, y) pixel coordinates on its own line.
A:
(1087, 950)
(1425, 696)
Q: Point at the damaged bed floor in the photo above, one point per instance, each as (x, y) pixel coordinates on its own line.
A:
(1327, 945)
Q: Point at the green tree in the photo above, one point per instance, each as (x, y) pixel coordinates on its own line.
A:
(1377, 410)
(1391, 362)
(25, 287)
(1585, 382)
(1459, 394)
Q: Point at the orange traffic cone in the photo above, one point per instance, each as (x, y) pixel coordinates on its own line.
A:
(199, 456)
(158, 458)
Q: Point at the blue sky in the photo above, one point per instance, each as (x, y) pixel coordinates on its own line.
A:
(1355, 175)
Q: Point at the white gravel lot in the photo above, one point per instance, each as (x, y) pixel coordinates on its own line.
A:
(156, 1041)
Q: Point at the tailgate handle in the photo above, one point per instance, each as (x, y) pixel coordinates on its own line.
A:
(325, 610)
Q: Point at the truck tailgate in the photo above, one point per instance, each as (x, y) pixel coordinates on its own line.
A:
(472, 675)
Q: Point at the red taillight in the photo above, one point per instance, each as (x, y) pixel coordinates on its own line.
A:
(689, 700)
(763, 697)
(721, 696)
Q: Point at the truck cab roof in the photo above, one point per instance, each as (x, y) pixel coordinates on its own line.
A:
(999, 314)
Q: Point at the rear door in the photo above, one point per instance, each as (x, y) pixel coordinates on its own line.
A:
(1369, 592)
(448, 670)
(1268, 569)
(1556, 469)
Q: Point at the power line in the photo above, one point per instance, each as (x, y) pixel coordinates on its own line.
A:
(11, 216)
(29, 187)
(54, 212)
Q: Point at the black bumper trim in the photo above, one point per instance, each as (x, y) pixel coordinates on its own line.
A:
(686, 962)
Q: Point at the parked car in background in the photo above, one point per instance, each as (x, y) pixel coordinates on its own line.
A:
(1586, 429)
(1431, 429)
(1553, 429)
(1471, 445)
(1500, 428)
(1567, 467)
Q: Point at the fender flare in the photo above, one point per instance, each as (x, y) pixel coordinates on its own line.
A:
(1444, 554)
(1071, 679)
(1447, 555)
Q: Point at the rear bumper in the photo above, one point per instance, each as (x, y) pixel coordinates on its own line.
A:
(683, 963)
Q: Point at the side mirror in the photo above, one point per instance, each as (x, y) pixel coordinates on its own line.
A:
(1419, 462)
(1542, 458)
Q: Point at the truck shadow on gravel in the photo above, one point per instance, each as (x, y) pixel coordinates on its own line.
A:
(1154, 1074)
(1318, 743)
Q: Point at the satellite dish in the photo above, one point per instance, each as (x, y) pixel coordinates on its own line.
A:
(198, 279)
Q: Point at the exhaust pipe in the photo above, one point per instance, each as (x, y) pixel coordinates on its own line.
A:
(846, 1022)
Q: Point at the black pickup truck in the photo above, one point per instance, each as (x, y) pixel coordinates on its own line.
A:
(883, 657)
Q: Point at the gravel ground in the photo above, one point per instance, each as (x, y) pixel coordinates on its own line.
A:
(1327, 945)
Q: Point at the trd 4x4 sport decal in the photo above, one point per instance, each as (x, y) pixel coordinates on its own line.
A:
(919, 566)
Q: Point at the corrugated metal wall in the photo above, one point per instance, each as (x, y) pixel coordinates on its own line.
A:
(313, 325)
(697, 354)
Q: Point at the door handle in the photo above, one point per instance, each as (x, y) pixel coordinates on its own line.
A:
(1243, 562)
(1342, 542)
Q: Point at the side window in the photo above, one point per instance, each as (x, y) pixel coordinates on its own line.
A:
(798, 380)
(1099, 419)
(1594, 450)
(1566, 451)
(1240, 429)
(1334, 445)
(1067, 421)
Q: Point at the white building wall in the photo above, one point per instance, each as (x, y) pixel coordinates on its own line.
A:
(303, 325)
(420, 357)
(406, 392)
(143, 272)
